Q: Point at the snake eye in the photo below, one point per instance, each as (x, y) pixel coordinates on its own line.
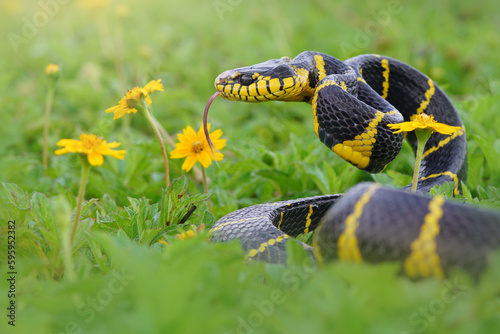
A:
(246, 80)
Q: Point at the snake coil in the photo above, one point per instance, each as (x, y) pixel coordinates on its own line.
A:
(352, 103)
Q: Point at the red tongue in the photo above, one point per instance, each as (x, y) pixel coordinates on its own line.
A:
(205, 127)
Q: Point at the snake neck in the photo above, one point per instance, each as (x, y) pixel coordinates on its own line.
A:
(284, 79)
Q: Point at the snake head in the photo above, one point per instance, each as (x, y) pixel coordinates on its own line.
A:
(276, 79)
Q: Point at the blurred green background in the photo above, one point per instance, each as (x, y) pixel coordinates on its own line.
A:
(106, 47)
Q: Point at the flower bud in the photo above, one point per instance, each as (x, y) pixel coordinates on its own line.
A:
(52, 71)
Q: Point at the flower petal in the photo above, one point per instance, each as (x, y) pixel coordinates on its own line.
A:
(201, 132)
(95, 147)
(218, 144)
(120, 154)
(68, 142)
(113, 144)
(119, 113)
(424, 121)
(154, 85)
(205, 158)
(446, 129)
(61, 151)
(114, 108)
(95, 159)
(218, 156)
(216, 135)
(190, 134)
(180, 152)
(189, 162)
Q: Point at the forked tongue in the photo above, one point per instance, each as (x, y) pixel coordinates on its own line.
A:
(205, 126)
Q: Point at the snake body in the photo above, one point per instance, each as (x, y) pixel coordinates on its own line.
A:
(352, 103)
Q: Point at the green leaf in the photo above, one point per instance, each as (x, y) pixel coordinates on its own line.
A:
(297, 254)
(197, 198)
(179, 186)
(482, 193)
(334, 184)
(269, 158)
(466, 191)
(382, 178)
(489, 147)
(17, 197)
(108, 203)
(281, 180)
(171, 198)
(400, 179)
(156, 221)
(207, 218)
(67, 194)
(124, 224)
(42, 211)
(104, 225)
(88, 204)
(319, 178)
(445, 189)
(134, 204)
(157, 236)
(148, 236)
(95, 248)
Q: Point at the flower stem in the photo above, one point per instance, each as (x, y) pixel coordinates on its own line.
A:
(422, 136)
(416, 170)
(48, 109)
(205, 188)
(152, 122)
(81, 195)
(168, 139)
(164, 133)
(62, 219)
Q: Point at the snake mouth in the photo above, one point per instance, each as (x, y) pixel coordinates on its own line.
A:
(262, 82)
(249, 88)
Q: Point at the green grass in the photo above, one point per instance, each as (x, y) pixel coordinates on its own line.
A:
(118, 277)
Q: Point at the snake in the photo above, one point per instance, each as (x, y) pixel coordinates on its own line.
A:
(353, 101)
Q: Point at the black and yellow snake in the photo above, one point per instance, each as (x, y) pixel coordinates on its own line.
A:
(352, 103)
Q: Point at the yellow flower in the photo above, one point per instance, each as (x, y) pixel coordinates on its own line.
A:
(134, 97)
(95, 147)
(52, 70)
(194, 147)
(12, 6)
(185, 235)
(424, 121)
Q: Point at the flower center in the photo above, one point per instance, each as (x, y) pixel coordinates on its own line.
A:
(135, 93)
(197, 146)
(90, 141)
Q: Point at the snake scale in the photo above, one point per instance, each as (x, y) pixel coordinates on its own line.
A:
(352, 103)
